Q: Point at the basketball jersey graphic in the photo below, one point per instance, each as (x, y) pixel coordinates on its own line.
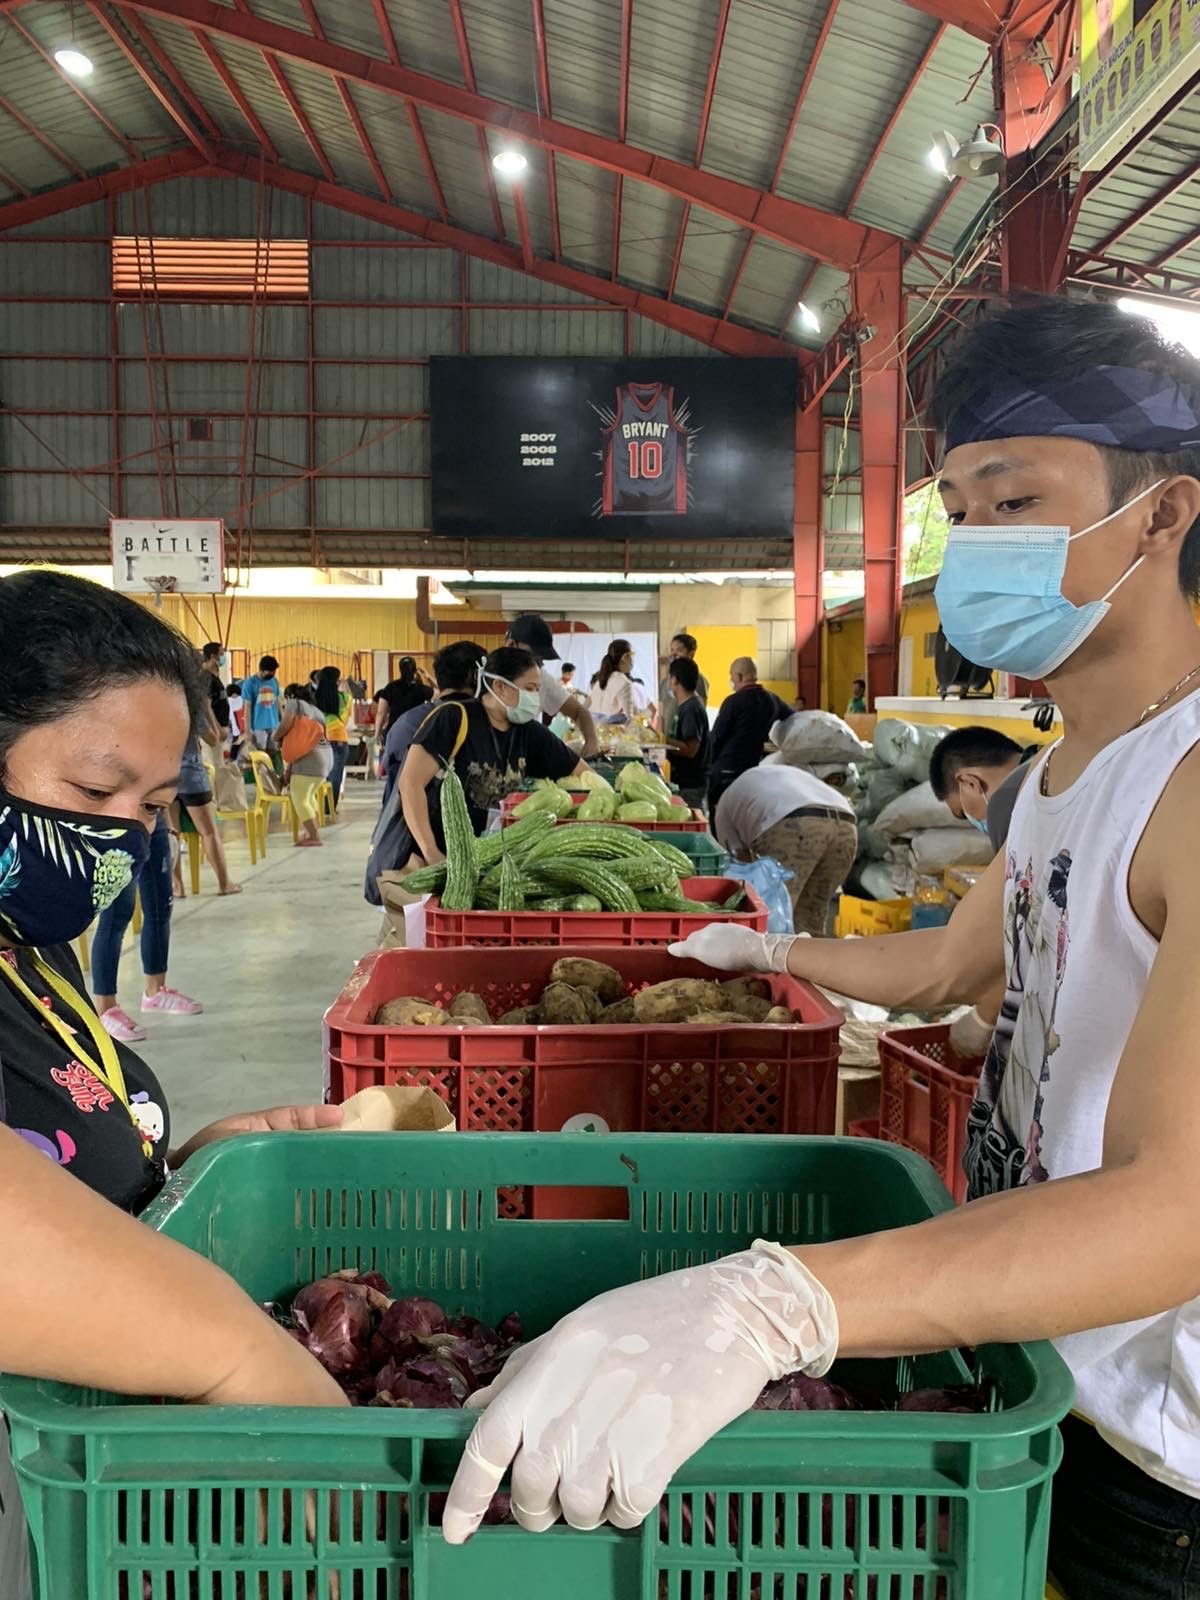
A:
(645, 455)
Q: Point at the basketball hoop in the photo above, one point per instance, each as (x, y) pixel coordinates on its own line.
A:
(166, 583)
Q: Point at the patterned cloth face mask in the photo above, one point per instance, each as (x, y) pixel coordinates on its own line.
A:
(60, 869)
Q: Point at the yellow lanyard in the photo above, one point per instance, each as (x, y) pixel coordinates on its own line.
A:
(108, 1069)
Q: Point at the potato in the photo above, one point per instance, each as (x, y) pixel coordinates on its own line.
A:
(678, 1000)
(746, 988)
(518, 1017)
(468, 1007)
(583, 974)
(592, 1003)
(619, 1011)
(748, 1007)
(561, 1005)
(779, 1014)
(712, 1019)
(410, 1011)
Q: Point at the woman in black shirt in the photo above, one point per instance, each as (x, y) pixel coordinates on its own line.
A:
(98, 699)
(497, 743)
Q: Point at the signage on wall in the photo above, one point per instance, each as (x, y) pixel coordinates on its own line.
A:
(1134, 55)
(687, 448)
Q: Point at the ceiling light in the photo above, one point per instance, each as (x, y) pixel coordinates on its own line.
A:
(511, 163)
(942, 151)
(74, 62)
(983, 156)
(808, 317)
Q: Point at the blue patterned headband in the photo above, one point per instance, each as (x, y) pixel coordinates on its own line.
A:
(1123, 406)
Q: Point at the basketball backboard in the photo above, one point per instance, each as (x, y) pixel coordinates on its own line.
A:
(146, 552)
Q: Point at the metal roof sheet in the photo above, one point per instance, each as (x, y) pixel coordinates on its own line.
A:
(770, 285)
(650, 221)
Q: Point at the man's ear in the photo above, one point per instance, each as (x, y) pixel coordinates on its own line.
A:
(1176, 509)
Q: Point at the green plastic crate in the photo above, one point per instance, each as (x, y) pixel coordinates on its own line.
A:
(708, 858)
(142, 1502)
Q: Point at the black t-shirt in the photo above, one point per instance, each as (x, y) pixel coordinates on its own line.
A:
(491, 764)
(219, 701)
(402, 697)
(743, 723)
(57, 1105)
(691, 722)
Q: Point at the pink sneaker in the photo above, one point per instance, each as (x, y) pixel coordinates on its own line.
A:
(122, 1026)
(171, 1000)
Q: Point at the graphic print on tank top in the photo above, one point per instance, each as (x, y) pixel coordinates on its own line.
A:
(1005, 1127)
(644, 454)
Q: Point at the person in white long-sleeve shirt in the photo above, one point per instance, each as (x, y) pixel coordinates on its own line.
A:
(612, 688)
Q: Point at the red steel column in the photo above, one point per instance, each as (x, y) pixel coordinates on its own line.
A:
(808, 553)
(878, 302)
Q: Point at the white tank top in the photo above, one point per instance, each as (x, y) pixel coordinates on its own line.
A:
(1077, 962)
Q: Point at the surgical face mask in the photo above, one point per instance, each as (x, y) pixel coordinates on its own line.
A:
(1000, 599)
(60, 869)
(529, 702)
(976, 822)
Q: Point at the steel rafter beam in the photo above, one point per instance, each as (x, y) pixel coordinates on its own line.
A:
(1113, 273)
(384, 23)
(1186, 243)
(463, 44)
(351, 110)
(546, 108)
(732, 339)
(710, 85)
(1145, 211)
(219, 65)
(897, 112)
(833, 360)
(834, 239)
(46, 142)
(810, 73)
(187, 115)
(986, 19)
(113, 132)
(177, 164)
(622, 126)
(307, 132)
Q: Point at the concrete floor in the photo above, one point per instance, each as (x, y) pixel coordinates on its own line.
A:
(265, 964)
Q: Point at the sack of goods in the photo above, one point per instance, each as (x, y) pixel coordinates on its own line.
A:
(808, 738)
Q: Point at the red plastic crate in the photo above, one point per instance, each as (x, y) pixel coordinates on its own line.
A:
(450, 930)
(742, 1077)
(923, 1104)
(692, 822)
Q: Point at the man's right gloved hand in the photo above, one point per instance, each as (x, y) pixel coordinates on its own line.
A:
(734, 948)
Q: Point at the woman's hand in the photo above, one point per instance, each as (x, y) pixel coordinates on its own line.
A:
(735, 948)
(279, 1119)
(598, 1415)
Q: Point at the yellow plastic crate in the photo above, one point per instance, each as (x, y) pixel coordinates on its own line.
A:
(864, 918)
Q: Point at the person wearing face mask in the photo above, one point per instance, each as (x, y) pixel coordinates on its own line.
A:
(213, 660)
(497, 743)
(98, 699)
(1072, 478)
(978, 773)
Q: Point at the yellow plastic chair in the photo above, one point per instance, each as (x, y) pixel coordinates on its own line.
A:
(259, 760)
(252, 816)
(326, 810)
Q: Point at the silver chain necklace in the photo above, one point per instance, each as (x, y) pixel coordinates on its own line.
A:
(1155, 705)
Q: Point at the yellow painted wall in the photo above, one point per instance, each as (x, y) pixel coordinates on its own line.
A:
(843, 658)
(307, 633)
(719, 644)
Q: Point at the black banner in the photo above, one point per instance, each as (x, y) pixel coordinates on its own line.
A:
(663, 448)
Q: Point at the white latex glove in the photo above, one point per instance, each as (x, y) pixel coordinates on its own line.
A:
(971, 1035)
(735, 948)
(598, 1414)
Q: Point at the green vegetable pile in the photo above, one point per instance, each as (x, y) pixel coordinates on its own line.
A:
(640, 796)
(534, 865)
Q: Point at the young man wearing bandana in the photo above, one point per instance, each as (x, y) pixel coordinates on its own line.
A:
(1072, 478)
